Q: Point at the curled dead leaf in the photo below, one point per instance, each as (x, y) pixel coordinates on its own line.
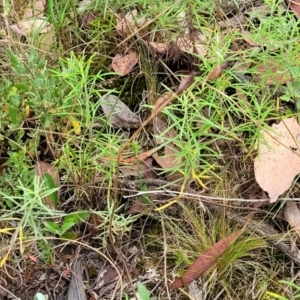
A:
(124, 64)
(278, 160)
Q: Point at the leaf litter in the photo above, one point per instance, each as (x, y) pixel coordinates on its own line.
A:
(279, 155)
(205, 261)
(118, 113)
(292, 216)
(34, 21)
(123, 64)
(278, 159)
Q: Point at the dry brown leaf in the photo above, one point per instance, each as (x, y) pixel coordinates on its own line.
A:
(129, 23)
(124, 64)
(170, 159)
(30, 26)
(118, 113)
(205, 261)
(272, 72)
(294, 5)
(216, 72)
(278, 160)
(292, 215)
(34, 23)
(42, 168)
(142, 169)
(34, 8)
(185, 44)
(159, 47)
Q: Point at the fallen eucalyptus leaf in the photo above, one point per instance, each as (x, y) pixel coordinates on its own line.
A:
(278, 160)
(123, 64)
(186, 45)
(205, 261)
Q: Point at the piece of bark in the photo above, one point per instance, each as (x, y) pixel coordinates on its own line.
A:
(76, 289)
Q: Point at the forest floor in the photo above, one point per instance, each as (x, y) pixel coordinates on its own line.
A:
(149, 150)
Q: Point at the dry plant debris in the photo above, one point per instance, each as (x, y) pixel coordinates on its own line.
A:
(234, 64)
(33, 22)
(278, 160)
(205, 261)
(123, 64)
(118, 113)
(130, 23)
(294, 5)
(292, 215)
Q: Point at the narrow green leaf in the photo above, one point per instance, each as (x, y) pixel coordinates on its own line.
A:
(52, 227)
(84, 215)
(66, 226)
(142, 291)
(50, 184)
(13, 114)
(73, 217)
(69, 235)
(13, 58)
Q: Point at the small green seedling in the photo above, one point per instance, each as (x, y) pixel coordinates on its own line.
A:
(69, 221)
